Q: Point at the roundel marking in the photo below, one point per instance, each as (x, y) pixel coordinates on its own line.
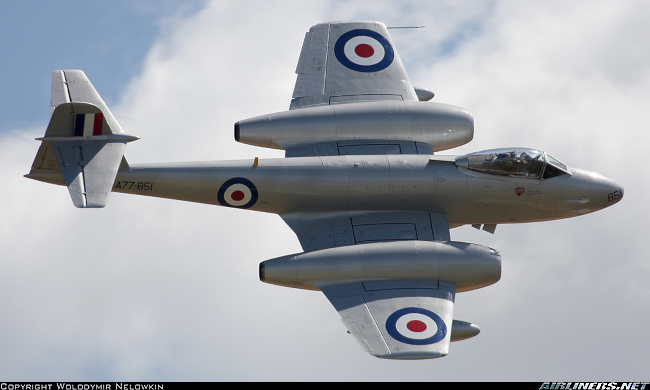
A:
(237, 192)
(416, 326)
(364, 51)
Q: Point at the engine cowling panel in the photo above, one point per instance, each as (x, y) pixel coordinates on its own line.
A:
(468, 266)
(440, 125)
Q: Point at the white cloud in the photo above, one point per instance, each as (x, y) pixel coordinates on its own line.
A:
(163, 290)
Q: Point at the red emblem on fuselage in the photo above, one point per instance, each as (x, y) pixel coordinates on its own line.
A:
(520, 191)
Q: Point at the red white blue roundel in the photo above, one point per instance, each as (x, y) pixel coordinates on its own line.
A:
(237, 192)
(416, 326)
(364, 51)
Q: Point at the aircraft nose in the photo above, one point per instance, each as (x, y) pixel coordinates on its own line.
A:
(598, 191)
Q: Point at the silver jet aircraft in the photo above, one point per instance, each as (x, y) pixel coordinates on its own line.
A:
(362, 186)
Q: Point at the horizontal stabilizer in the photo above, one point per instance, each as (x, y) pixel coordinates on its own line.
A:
(87, 155)
(83, 146)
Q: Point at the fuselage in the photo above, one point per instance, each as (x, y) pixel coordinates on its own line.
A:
(379, 183)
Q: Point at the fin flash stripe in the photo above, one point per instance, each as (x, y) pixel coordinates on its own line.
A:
(86, 125)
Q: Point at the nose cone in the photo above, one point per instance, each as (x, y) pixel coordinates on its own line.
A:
(594, 191)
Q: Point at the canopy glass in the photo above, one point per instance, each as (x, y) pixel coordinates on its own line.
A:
(514, 162)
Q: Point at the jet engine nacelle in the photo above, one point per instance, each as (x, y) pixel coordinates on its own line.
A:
(468, 266)
(440, 125)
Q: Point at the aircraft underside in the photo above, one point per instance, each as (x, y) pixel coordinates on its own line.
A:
(362, 185)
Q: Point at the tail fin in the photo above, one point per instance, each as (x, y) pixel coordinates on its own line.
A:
(83, 145)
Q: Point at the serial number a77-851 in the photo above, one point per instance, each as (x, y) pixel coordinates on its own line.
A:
(134, 185)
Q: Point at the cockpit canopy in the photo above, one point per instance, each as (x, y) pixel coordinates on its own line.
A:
(514, 162)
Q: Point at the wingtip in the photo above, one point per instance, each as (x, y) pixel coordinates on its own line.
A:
(412, 355)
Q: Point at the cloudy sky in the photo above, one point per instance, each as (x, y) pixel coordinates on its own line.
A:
(153, 289)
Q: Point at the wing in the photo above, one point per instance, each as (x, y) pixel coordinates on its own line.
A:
(397, 319)
(319, 231)
(349, 62)
(396, 297)
(392, 276)
(352, 97)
